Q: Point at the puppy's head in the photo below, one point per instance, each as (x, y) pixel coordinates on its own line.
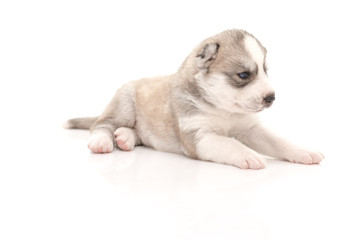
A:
(232, 74)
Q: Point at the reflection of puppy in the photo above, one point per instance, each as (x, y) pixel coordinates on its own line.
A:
(207, 110)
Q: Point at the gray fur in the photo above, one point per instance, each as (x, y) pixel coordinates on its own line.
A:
(198, 110)
(80, 123)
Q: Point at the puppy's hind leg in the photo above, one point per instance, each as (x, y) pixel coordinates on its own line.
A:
(126, 138)
(119, 113)
(101, 142)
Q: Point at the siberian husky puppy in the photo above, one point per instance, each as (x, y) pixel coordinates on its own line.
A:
(207, 110)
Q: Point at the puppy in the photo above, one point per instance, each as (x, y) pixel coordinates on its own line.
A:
(207, 110)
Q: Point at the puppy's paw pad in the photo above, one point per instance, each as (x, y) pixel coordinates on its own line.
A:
(123, 145)
(125, 139)
(100, 143)
(252, 161)
(307, 157)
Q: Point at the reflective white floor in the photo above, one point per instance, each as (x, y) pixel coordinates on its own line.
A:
(59, 190)
(62, 59)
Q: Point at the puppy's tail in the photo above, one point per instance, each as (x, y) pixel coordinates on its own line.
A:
(80, 123)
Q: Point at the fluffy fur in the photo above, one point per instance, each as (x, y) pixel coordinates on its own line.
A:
(207, 110)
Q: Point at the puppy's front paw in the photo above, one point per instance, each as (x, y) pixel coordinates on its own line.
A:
(251, 160)
(306, 157)
(100, 143)
(125, 138)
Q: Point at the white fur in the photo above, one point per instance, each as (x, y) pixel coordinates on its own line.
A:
(227, 150)
(217, 138)
(148, 138)
(224, 96)
(246, 100)
(126, 138)
(217, 124)
(255, 51)
(260, 87)
(100, 142)
(219, 92)
(266, 142)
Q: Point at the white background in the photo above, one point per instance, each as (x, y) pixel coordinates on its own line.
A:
(63, 59)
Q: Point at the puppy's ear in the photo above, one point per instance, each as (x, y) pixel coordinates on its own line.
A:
(207, 56)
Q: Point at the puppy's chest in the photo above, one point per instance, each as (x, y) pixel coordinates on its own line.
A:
(223, 125)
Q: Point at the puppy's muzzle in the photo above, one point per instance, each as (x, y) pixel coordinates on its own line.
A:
(268, 100)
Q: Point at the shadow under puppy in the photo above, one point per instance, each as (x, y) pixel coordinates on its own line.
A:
(207, 110)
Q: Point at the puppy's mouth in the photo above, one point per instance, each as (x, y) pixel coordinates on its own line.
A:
(250, 109)
(255, 110)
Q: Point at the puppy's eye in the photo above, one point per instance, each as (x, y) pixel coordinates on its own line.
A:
(244, 75)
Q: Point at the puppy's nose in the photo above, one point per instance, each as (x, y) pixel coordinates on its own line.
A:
(269, 99)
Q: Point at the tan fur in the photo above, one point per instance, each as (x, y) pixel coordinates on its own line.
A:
(205, 110)
(80, 123)
(155, 116)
